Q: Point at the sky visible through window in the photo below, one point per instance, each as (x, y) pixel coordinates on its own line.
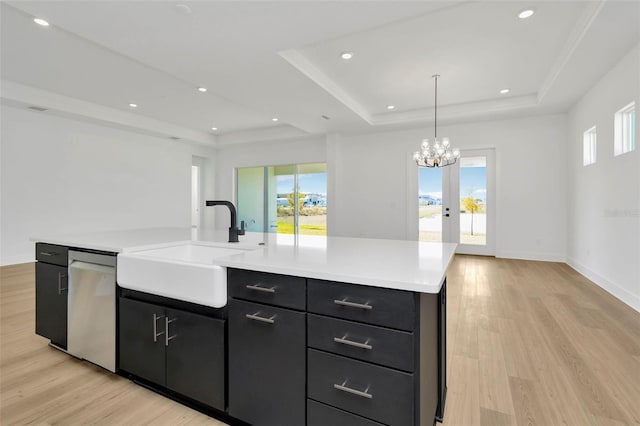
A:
(310, 182)
(472, 179)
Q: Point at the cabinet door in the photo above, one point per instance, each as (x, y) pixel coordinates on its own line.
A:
(267, 363)
(51, 303)
(195, 356)
(141, 340)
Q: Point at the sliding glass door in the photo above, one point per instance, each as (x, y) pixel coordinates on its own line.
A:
(288, 199)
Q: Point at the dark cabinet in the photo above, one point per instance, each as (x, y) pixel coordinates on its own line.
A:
(176, 349)
(374, 355)
(267, 348)
(51, 293)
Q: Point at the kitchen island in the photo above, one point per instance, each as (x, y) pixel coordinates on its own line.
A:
(316, 330)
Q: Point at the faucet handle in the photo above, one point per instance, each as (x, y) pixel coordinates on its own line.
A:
(241, 230)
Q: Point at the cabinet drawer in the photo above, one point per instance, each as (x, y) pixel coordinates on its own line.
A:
(374, 392)
(274, 289)
(51, 253)
(380, 306)
(391, 348)
(322, 415)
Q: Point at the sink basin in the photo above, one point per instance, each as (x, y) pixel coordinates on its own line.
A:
(185, 271)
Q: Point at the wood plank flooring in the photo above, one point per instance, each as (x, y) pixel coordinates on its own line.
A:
(529, 343)
(536, 343)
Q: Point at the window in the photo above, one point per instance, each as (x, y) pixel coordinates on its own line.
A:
(589, 147)
(290, 199)
(625, 130)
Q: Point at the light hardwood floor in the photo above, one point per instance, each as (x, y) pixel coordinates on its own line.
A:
(529, 343)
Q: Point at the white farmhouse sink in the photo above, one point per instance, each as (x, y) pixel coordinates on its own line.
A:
(184, 271)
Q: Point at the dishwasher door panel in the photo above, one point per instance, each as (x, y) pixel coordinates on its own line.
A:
(91, 313)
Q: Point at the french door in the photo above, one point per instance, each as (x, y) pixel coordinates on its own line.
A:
(457, 203)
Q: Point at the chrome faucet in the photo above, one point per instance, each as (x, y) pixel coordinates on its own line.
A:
(233, 228)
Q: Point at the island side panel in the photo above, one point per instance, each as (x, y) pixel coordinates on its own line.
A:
(428, 356)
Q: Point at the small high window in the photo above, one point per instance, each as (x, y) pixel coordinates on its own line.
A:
(625, 130)
(589, 147)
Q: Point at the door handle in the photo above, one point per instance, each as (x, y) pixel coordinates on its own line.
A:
(257, 317)
(168, 321)
(60, 277)
(155, 327)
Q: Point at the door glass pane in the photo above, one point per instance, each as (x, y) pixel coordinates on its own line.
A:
(250, 191)
(312, 187)
(473, 200)
(283, 178)
(430, 204)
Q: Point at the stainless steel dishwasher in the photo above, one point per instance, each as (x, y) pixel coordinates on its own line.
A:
(91, 311)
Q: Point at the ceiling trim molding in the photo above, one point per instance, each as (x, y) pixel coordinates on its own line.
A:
(456, 111)
(19, 94)
(306, 67)
(576, 36)
(282, 132)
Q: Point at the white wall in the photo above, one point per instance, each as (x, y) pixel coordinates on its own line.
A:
(371, 199)
(60, 175)
(368, 177)
(604, 198)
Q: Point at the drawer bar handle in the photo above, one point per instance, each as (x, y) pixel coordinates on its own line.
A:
(344, 302)
(257, 317)
(257, 287)
(344, 388)
(155, 327)
(346, 341)
(46, 253)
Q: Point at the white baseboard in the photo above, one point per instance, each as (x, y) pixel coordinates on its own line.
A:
(616, 290)
(544, 257)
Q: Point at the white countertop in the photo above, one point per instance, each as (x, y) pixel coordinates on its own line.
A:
(397, 264)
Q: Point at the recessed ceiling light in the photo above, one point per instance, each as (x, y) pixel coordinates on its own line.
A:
(133, 105)
(214, 128)
(202, 89)
(274, 119)
(390, 107)
(527, 13)
(41, 21)
(504, 91)
(346, 55)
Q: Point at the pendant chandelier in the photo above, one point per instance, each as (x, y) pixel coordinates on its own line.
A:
(439, 153)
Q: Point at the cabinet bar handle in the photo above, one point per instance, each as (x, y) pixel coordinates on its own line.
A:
(46, 253)
(344, 302)
(344, 388)
(346, 341)
(257, 287)
(155, 327)
(257, 317)
(167, 321)
(60, 277)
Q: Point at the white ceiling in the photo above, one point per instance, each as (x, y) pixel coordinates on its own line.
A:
(266, 59)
